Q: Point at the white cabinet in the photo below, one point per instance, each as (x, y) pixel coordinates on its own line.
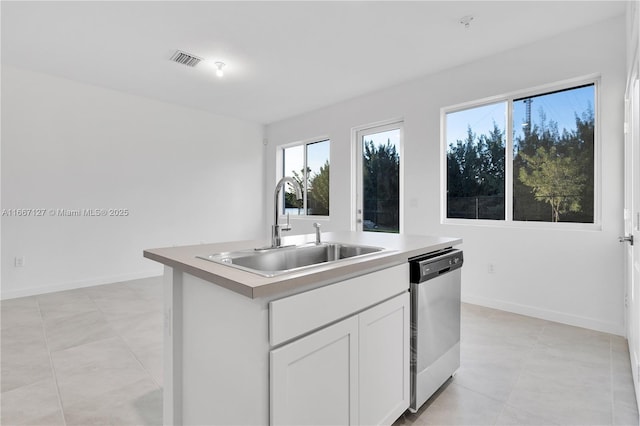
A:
(353, 372)
(314, 380)
(384, 361)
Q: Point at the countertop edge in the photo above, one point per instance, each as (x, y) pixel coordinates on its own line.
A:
(181, 258)
(200, 273)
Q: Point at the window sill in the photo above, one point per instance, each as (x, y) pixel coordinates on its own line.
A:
(306, 217)
(551, 226)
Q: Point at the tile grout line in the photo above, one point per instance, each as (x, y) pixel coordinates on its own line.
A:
(504, 404)
(138, 360)
(134, 354)
(525, 357)
(123, 340)
(140, 363)
(53, 369)
(117, 334)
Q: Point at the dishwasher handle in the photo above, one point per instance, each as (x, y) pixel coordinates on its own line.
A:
(428, 267)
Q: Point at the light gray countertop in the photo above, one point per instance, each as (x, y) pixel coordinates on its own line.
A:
(398, 248)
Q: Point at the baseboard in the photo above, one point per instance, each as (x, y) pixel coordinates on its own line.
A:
(33, 291)
(549, 315)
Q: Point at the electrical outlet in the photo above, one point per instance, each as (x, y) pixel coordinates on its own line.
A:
(18, 261)
(491, 268)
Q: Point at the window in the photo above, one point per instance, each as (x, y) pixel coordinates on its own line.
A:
(309, 165)
(378, 175)
(539, 167)
(475, 162)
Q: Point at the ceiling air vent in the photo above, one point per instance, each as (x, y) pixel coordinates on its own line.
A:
(185, 58)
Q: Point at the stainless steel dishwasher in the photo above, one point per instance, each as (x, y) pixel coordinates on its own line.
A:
(435, 322)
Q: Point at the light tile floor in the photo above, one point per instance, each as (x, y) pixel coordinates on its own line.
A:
(90, 356)
(94, 357)
(518, 370)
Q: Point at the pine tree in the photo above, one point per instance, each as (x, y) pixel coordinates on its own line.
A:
(381, 185)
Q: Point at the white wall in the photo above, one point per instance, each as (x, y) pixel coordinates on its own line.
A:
(572, 276)
(186, 176)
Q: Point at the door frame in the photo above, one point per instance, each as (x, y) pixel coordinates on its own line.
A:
(356, 166)
(631, 213)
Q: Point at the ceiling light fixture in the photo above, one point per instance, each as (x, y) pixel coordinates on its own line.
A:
(219, 68)
(466, 21)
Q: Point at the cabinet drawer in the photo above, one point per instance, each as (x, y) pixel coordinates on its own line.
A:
(301, 313)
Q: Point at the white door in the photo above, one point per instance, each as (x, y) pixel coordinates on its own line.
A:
(632, 223)
(379, 178)
(384, 361)
(314, 380)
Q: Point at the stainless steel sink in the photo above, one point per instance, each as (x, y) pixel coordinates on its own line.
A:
(272, 262)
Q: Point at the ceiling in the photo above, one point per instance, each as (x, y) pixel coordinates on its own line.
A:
(283, 58)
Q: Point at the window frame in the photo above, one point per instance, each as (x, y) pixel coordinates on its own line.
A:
(509, 98)
(281, 173)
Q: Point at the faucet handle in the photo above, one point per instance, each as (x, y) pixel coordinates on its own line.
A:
(317, 226)
(286, 227)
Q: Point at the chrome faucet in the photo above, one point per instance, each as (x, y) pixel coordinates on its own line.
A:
(276, 229)
(317, 226)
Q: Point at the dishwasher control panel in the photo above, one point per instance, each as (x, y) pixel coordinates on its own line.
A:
(425, 267)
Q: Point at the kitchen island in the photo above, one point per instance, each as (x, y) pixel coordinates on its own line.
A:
(326, 344)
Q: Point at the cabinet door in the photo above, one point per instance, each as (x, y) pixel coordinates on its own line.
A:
(384, 361)
(314, 380)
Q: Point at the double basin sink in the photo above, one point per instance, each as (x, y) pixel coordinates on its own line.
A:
(276, 261)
